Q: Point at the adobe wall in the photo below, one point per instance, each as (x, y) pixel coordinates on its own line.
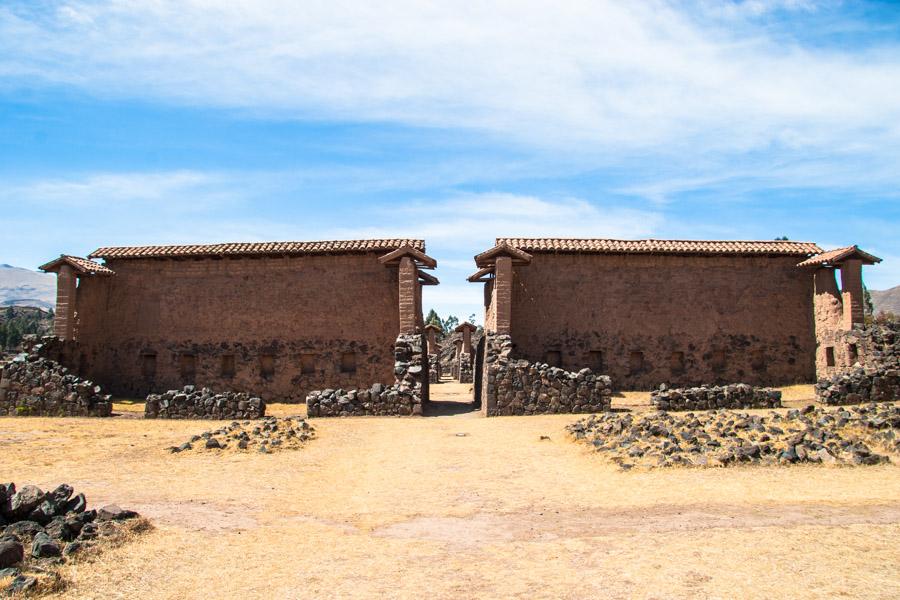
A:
(682, 320)
(295, 317)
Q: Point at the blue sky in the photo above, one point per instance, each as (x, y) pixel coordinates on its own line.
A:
(199, 121)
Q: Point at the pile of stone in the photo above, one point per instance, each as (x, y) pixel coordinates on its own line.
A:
(862, 384)
(726, 437)
(266, 436)
(738, 395)
(404, 397)
(203, 403)
(34, 386)
(41, 530)
(518, 387)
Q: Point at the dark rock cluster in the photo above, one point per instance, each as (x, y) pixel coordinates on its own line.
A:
(404, 397)
(518, 387)
(726, 437)
(39, 530)
(434, 368)
(737, 395)
(266, 436)
(34, 386)
(203, 403)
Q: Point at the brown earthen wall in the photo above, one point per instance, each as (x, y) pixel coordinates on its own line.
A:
(694, 319)
(275, 314)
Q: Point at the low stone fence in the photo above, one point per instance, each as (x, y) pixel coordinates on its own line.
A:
(191, 403)
(35, 386)
(518, 387)
(405, 397)
(465, 368)
(738, 395)
(870, 384)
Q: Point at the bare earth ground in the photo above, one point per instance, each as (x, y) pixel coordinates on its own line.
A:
(406, 508)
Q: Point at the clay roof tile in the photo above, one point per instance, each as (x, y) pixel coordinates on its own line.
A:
(256, 249)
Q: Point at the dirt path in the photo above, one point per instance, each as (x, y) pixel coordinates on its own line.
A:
(458, 506)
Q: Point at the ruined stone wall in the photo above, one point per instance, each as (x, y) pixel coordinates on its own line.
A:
(34, 386)
(203, 403)
(434, 368)
(277, 328)
(407, 396)
(738, 395)
(465, 368)
(874, 375)
(683, 320)
(517, 387)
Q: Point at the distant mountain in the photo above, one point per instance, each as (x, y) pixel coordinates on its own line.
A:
(24, 287)
(886, 300)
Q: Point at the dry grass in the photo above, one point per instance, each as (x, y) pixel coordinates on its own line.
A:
(404, 508)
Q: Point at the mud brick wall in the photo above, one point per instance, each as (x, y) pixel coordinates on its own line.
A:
(737, 395)
(34, 386)
(684, 320)
(193, 403)
(276, 328)
(518, 387)
(407, 396)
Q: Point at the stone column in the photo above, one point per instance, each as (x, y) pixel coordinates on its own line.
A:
(503, 295)
(852, 293)
(432, 342)
(66, 288)
(408, 280)
(467, 341)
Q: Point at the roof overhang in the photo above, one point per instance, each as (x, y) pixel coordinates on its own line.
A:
(464, 326)
(437, 328)
(81, 266)
(834, 258)
(489, 257)
(421, 259)
(428, 279)
(482, 276)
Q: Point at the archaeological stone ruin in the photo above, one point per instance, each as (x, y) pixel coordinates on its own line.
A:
(339, 325)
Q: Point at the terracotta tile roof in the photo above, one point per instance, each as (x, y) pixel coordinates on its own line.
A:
(82, 265)
(257, 249)
(606, 246)
(839, 254)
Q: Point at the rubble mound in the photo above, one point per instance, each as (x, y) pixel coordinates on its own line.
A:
(40, 531)
(736, 395)
(269, 435)
(724, 437)
(861, 384)
(34, 386)
(203, 403)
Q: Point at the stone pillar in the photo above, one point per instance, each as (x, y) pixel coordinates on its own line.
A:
(408, 280)
(827, 305)
(852, 293)
(420, 319)
(432, 342)
(503, 281)
(66, 288)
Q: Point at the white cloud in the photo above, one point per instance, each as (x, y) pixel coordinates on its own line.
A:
(601, 76)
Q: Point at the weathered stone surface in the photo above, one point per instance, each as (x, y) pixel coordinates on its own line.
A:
(726, 437)
(738, 395)
(31, 385)
(113, 512)
(203, 403)
(44, 546)
(876, 378)
(11, 553)
(405, 397)
(518, 387)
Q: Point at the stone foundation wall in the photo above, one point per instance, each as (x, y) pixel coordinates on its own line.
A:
(191, 403)
(518, 387)
(464, 369)
(34, 386)
(407, 396)
(737, 395)
(874, 375)
(434, 368)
